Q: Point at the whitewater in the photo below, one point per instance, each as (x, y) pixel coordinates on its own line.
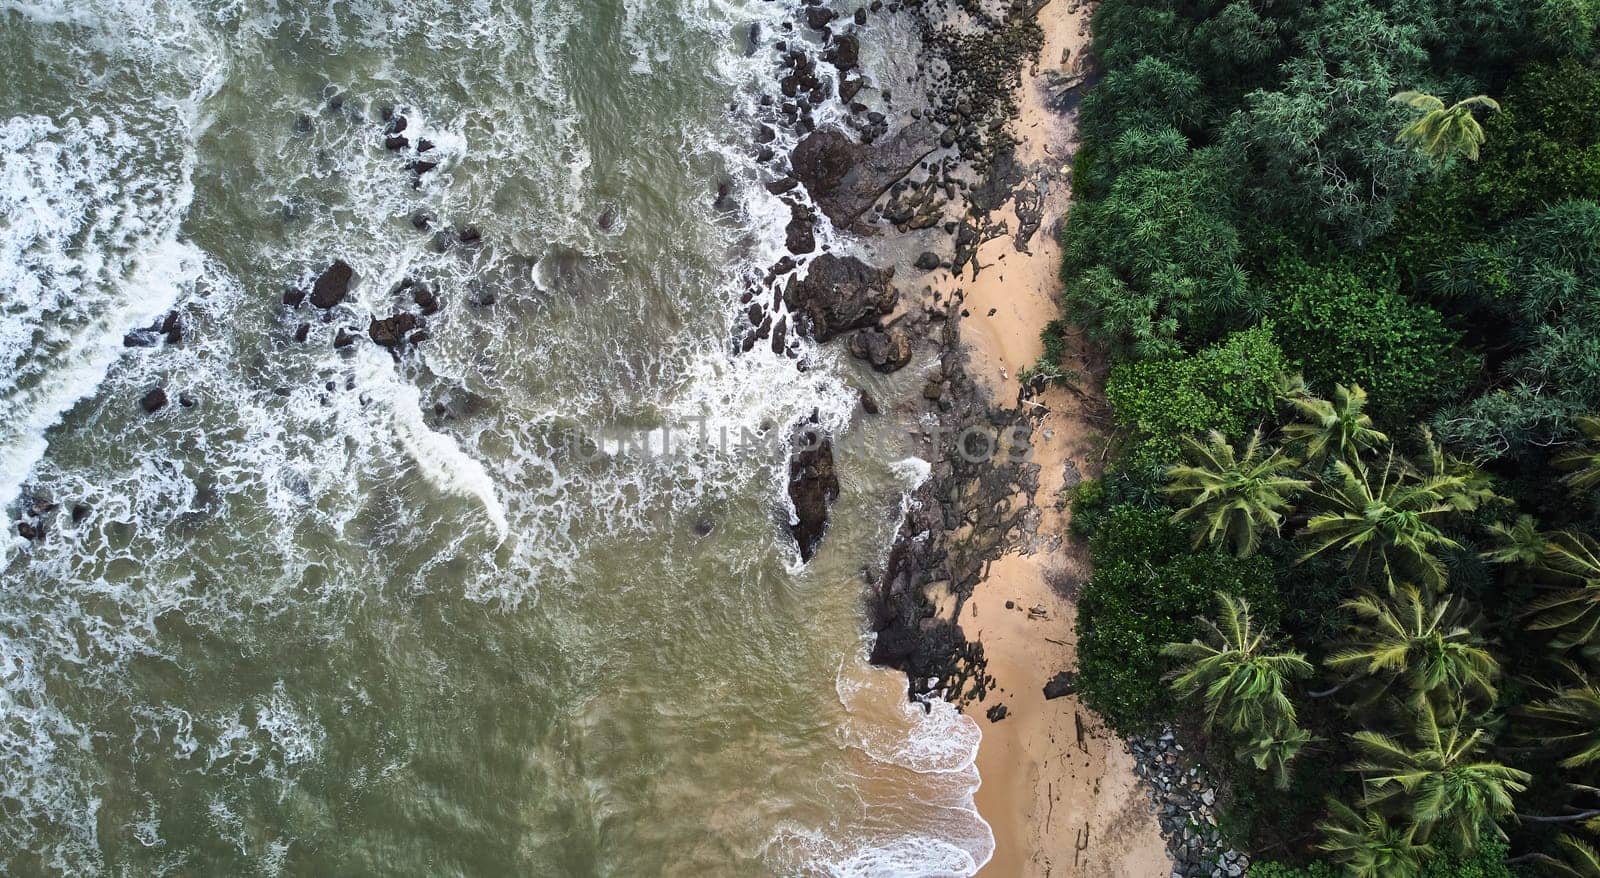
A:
(333, 607)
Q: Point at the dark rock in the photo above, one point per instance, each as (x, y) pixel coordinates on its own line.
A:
(303, 332)
(702, 528)
(470, 236)
(424, 145)
(849, 87)
(172, 327)
(1062, 684)
(421, 221)
(997, 713)
(607, 220)
(928, 261)
(843, 52)
(419, 336)
(139, 338)
(390, 331)
(154, 401)
(818, 17)
(782, 185)
(420, 167)
(395, 142)
(887, 351)
(813, 486)
(343, 338)
(426, 299)
(839, 294)
(293, 297)
(799, 235)
(80, 511)
(333, 285)
(765, 134)
(186, 400)
(30, 531)
(868, 404)
(845, 177)
(780, 334)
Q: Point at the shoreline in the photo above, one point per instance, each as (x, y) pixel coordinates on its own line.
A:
(975, 601)
(1057, 788)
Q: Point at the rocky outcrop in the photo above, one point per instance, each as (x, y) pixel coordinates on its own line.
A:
(839, 294)
(813, 486)
(887, 350)
(390, 332)
(333, 285)
(845, 177)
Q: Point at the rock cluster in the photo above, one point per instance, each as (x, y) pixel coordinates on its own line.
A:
(1185, 805)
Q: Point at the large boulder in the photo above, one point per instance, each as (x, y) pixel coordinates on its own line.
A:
(333, 285)
(887, 350)
(838, 294)
(845, 177)
(813, 486)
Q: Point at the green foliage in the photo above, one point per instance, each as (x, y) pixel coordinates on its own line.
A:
(1544, 146)
(1338, 328)
(1147, 590)
(1227, 387)
(1551, 263)
(1156, 254)
(1266, 869)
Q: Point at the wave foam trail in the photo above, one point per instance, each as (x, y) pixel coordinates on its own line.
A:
(440, 458)
(84, 261)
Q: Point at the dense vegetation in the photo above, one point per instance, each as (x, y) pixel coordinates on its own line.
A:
(1345, 257)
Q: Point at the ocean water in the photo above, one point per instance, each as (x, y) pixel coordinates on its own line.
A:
(332, 611)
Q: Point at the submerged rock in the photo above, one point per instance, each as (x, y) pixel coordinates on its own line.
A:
(154, 401)
(813, 486)
(839, 294)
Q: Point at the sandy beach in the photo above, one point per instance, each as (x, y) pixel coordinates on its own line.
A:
(1058, 788)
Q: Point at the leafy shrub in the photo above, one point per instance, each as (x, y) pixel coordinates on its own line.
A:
(1339, 327)
(1228, 386)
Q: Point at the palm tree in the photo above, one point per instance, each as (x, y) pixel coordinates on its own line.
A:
(1339, 426)
(1444, 132)
(1275, 751)
(1520, 542)
(1466, 486)
(1370, 846)
(1439, 786)
(1578, 858)
(1236, 495)
(1420, 641)
(1241, 680)
(1571, 611)
(1387, 520)
(1571, 724)
(1584, 460)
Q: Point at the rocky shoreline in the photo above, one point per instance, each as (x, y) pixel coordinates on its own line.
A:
(951, 165)
(948, 166)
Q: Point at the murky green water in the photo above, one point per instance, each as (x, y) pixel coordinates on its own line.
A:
(334, 612)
